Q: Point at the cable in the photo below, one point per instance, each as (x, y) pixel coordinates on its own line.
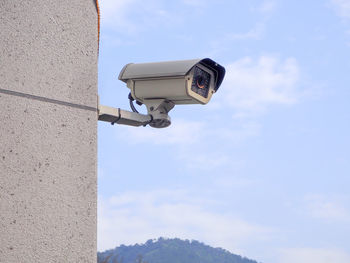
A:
(132, 106)
(120, 116)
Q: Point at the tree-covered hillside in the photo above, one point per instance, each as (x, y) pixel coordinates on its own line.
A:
(170, 251)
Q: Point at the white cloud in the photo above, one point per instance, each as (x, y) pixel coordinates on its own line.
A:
(195, 144)
(314, 255)
(267, 7)
(185, 133)
(224, 43)
(135, 217)
(342, 7)
(195, 3)
(263, 12)
(186, 148)
(256, 33)
(114, 10)
(199, 160)
(250, 86)
(132, 16)
(178, 134)
(327, 208)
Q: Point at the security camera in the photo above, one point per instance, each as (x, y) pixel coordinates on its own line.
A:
(182, 82)
(162, 85)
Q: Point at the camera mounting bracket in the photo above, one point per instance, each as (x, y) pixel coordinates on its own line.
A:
(119, 116)
(158, 109)
(157, 114)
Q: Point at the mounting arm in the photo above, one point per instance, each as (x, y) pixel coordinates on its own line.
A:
(119, 116)
(157, 114)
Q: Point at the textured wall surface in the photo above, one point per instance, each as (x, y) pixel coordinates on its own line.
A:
(48, 150)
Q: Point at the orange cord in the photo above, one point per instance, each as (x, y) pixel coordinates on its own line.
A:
(99, 24)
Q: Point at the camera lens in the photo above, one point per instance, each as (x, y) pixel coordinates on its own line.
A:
(201, 82)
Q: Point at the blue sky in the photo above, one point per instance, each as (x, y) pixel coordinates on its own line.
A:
(263, 170)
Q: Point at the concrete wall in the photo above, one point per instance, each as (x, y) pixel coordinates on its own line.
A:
(48, 57)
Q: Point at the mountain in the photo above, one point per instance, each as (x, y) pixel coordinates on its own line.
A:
(169, 251)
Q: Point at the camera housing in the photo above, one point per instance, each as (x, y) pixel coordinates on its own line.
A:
(161, 86)
(180, 82)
